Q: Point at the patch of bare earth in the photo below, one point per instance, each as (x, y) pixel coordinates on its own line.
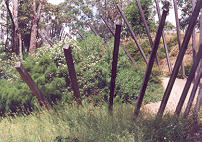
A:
(179, 83)
(173, 99)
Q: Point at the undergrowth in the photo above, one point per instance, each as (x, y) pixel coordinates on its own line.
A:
(93, 124)
(93, 61)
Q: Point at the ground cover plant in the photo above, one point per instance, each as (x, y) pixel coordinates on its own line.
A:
(92, 58)
(93, 123)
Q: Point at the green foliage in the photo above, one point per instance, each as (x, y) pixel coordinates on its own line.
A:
(145, 45)
(15, 94)
(7, 63)
(52, 82)
(90, 123)
(169, 27)
(93, 60)
(134, 51)
(185, 7)
(172, 42)
(94, 73)
(132, 14)
(14, 98)
(51, 78)
(168, 128)
(187, 68)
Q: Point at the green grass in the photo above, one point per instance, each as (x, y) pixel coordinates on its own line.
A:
(92, 124)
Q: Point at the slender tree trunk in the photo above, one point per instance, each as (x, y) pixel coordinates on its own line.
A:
(13, 16)
(2, 34)
(15, 20)
(178, 32)
(15, 42)
(7, 32)
(194, 34)
(34, 29)
(20, 47)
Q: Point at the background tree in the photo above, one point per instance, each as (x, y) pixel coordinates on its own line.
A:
(36, 16)
(53, 19)
(132, 13)
(185, 6)
(3, 25)
(13, 16)
(90, 11)
(108, 9)
(25, 18)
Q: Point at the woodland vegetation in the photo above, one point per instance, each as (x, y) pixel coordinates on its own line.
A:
(35, 32)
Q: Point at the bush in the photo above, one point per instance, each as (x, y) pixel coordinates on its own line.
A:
(94, 73)
(17, 96)
(134, 51)
(93, 59)
(45, 70)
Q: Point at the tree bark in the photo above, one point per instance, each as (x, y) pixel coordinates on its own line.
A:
(20, 47)
(13, 15)
(18, 34)
(36, 17)
(32, 47)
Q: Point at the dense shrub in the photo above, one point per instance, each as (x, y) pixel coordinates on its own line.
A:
(93, 59)
(95, 80)
(45, 69)
(16, 95)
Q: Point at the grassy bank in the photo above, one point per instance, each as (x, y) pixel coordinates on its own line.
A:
(90, 123)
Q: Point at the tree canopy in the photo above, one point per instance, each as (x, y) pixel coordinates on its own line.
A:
(28, 24)
(185, 7)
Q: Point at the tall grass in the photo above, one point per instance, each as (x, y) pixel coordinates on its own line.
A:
(92, 124)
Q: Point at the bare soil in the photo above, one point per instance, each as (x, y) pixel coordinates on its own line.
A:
(173, 99)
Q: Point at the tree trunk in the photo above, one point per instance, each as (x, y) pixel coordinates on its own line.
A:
(15, 20)
(15, 42)
(13, 16)
(35, 21)
(20, 47)
(32, 47)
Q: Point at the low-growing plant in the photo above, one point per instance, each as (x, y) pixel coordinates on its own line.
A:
(90, 123)
(187, 68)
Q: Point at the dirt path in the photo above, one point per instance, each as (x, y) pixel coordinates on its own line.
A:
(173, 99)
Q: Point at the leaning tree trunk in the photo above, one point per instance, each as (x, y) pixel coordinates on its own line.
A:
(194, 34)
(36, 17)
